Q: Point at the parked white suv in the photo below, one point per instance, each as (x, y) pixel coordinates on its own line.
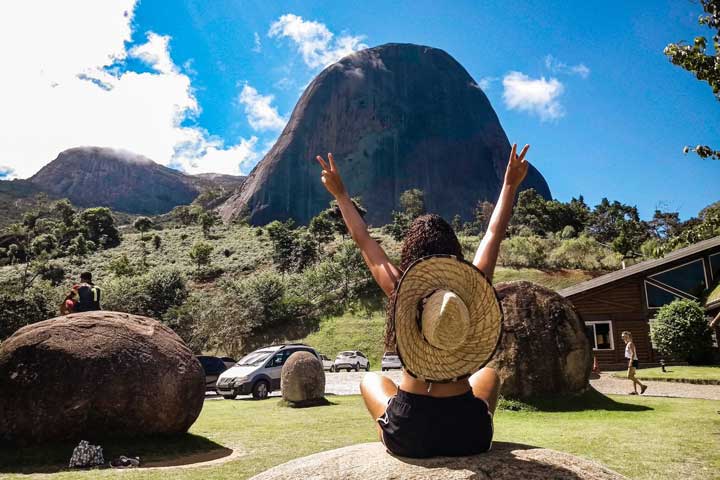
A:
(258, 372)
(390, 360)
(351, 360)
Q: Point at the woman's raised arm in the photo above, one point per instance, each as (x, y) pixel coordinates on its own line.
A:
(487, 252)
(383, 271)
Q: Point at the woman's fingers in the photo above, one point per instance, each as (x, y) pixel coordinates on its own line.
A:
(512, 152)
(322, 162)
(524, 151)
(333, 168)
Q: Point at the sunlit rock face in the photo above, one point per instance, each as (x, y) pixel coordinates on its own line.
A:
(396, 117)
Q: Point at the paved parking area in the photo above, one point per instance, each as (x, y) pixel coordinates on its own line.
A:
(348, 383)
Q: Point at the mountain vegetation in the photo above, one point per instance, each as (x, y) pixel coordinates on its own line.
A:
(232, 287)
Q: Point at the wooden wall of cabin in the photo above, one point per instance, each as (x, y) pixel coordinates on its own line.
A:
(621, 303)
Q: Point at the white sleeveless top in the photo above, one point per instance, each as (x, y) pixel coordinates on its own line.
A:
(627, 352)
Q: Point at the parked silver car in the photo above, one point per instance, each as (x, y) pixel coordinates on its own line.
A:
(258, 372)
(390, 360)
(327, 363)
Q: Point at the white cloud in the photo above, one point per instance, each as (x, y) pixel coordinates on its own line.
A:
(6, 171)
(257, 48)
(314, 41)
(261, 114)
(485, 82)
(536, 96)
(66, 84)
(556, 66)
(155, 53)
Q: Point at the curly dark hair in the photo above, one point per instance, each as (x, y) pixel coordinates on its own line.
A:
(427, 235)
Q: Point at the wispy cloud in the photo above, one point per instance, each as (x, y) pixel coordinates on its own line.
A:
(533, 95)
(314, 41)
(155, 53)
(556, 66)
(262, 116)
(257, 47)
(486, 82)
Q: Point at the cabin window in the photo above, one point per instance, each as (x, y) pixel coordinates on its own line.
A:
(657, 297)
(688, 278)
(715, 265)
(600, 335)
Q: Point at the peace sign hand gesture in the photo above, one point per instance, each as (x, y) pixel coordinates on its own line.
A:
(330, 176)
(517, 167)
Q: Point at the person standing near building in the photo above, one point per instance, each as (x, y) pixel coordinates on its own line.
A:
(632, 358)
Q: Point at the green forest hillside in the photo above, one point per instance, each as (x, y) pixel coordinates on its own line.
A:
(230, 288)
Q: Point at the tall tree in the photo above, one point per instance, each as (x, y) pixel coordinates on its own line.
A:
(704, 65)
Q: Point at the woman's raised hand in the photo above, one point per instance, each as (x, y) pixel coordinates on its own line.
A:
(330, 176)
(517, 167)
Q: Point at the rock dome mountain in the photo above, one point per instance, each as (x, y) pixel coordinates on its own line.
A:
(124, 181)
(396, 117)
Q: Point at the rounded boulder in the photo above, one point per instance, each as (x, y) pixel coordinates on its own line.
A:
(543, 349)
(504, 461)
(302, 379)
(96, 375)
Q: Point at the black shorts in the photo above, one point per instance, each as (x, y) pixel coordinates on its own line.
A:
(635, 363)
(419, 426)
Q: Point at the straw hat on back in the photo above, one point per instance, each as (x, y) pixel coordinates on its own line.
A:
(447, 319)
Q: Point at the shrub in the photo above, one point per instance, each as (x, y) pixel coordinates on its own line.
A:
(529, 252)
(681, 331)
(583, 252)
(200, 254)
(120, 266)
(151, 294)
(52, 272)
(17, 310)
(157, 241)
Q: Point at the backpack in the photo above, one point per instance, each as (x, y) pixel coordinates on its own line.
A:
(88, 298)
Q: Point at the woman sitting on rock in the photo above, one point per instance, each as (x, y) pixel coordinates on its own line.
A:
(444, 321)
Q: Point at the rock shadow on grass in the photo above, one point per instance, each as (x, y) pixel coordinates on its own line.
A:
(586, 401)
(154, 451)
(320, 402)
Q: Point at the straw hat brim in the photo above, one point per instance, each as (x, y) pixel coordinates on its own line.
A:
(421, 359)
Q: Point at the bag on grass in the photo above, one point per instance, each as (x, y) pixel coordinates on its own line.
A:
(86, 455)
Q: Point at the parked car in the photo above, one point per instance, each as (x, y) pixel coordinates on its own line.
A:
(228, 361)
(258, 373)
(327, 363)
(390, 360)
(213, 367)
(351, 360)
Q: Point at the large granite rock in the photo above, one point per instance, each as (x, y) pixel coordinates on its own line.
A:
(302, 379)
(506, 461)
(395, 116)
(95, 375)
(543, 349)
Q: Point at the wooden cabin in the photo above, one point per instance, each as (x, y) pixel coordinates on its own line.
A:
(628, 299)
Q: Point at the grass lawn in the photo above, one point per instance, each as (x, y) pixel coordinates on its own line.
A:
(710, 374)
(643, 437)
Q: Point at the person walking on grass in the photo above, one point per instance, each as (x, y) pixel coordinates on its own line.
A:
(632, 358)
(444, 320)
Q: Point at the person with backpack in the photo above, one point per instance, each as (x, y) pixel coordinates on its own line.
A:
(83, 297)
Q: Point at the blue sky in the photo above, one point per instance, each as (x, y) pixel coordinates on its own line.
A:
(208, 85)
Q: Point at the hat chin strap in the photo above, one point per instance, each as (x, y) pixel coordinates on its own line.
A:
(445, 320)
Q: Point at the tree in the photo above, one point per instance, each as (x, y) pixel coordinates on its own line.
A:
(157, 241)
(121, 267)
(481, 215)
(457, 224)
(305, 250)
(200, 254)
(335, 215)
(412, 203)
(618, 225)
(322, 227)
(681, 331)
(704, 65)
(142, 225)
(66, 211)
(99, 226)
(207, 220)
(283, 242)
